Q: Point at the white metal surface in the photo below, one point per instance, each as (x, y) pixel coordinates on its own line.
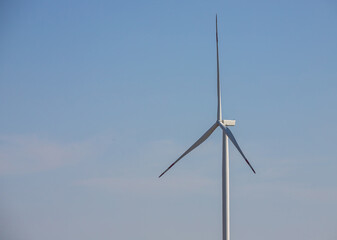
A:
(225, 188)
(195, 145)
(218, 71)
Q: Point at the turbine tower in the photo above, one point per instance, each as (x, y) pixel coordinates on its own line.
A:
(227, 134)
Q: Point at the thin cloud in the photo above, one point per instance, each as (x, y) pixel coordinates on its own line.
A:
(147, 185)
(298, 192)
(28, 154)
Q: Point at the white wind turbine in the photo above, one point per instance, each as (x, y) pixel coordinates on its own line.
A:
(225, 157)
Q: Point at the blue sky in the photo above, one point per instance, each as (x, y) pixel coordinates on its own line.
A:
(97, 98)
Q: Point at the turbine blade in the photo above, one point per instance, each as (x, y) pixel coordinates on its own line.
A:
(232, 138)
(196, 144)
(218, 71)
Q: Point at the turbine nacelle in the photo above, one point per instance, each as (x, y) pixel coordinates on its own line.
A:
(228, 122)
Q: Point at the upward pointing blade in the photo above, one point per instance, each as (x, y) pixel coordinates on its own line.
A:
(232, 138)
(196, 144)
(218, 72)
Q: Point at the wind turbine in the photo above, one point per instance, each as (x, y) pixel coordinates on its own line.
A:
(227, 134)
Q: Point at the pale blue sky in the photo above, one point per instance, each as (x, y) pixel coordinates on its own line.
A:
(97, 98)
